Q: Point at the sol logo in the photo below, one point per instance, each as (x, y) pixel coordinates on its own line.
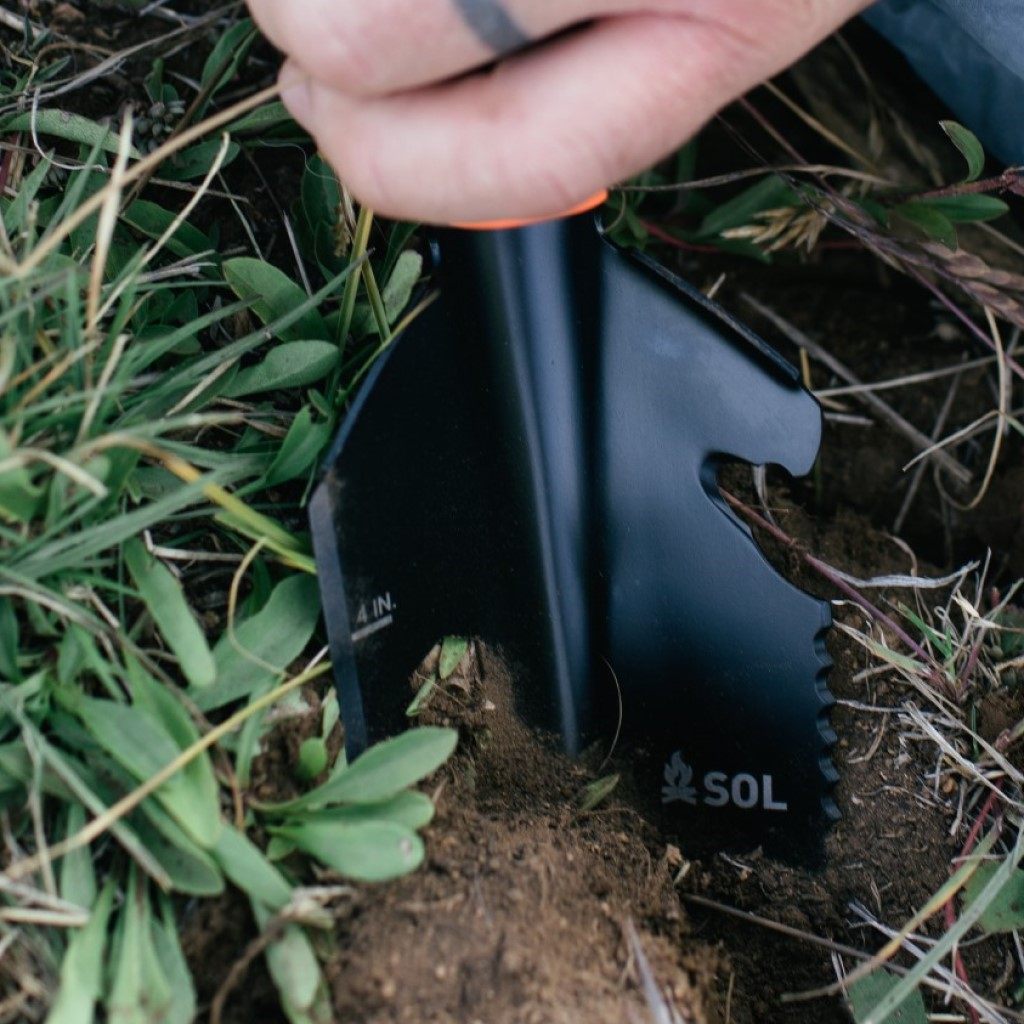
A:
(718, 789)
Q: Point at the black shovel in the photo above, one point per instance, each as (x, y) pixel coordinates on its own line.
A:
(534, 463)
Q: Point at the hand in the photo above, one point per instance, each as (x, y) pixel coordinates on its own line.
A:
(385, 89)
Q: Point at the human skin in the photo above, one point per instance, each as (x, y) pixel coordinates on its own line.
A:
(422, 122)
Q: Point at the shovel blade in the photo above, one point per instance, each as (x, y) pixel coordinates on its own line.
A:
(534, 462)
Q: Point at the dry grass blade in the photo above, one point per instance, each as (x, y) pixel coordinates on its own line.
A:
(921, 441)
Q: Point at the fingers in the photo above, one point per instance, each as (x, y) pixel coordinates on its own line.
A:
(549, 127)
(374, 48)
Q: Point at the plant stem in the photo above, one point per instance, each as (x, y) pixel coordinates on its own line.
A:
(348, 300)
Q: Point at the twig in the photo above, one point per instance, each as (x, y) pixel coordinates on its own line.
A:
(893, 418)
(830, 574)
(915, 480)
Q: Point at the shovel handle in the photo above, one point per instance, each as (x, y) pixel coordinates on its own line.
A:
(596, 200)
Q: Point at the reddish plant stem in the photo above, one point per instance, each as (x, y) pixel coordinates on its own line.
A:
(677, 243)
(827, 572)
(1000, 183)
(949, 910)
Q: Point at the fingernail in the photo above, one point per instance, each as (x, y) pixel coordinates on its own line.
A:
(297, 93)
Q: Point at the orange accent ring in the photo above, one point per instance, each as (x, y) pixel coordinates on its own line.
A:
(505, 225)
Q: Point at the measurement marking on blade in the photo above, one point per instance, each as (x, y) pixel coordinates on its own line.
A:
(374, 627)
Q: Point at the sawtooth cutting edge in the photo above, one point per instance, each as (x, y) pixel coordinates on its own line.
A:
(534, 463)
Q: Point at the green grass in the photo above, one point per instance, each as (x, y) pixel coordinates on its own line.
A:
(163, 409)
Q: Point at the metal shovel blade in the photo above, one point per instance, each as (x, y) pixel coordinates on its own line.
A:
(534, 463)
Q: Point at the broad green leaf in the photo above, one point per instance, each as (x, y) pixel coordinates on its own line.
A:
(373, 851)
(411, 809)
(247, 867)
(291, 364)
(383, 771)
(140, 743)
(1006, 912)
(966, 209)
(139, 991)
(769, 194)
(296, 973)
(299, 451)
(192, 871)
(272, 295)
(865, 994)
(969, 145)
(81, 971)
(321, 193)
(62, 124)
(266, 644)
(453, 650)
(77, 875)
(174, 967)
(165, 599)
(404, 278)
(934, 224)
(196, 161)
(153, 221)
(227, 56)
(261, 120)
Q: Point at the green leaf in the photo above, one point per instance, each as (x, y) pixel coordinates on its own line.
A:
(867, 993)
(227, 56)
(247, 867)
(192, 871)
(1006, 912)
(453, 650)
(165, 599)
(934, 224)
(196, 161)
(292, 364)
(81, 971)
(174, 967)
(141, 744)
(77, 875)
(412, 809)
(373, 851)
(272, 295)
(261, 120)
(296, 973)
(769, 194)
(969, 145)
(9, 642)
(419, 702)
(598, 791)
(383, 771)
(139, 991)
(299, 451)
(16, 215)
(19, 497)
(404, 278)
(266, 644)
(313, 758)
(153, 221)
(62, 124)
(967, 208)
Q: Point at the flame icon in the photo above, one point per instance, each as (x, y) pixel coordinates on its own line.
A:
(678, 782)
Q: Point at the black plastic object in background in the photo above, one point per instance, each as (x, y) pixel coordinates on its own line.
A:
(534, 463)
